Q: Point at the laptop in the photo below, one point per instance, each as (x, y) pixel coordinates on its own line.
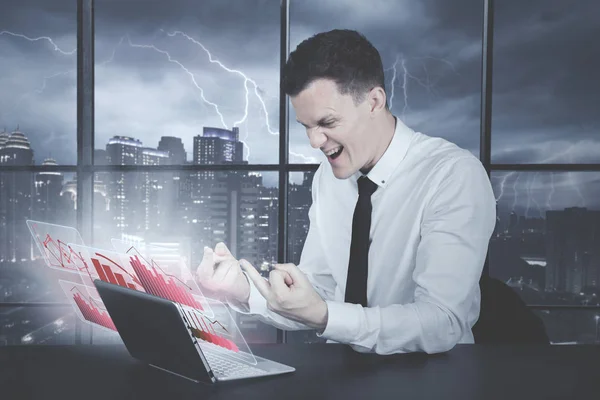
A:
(159, 332)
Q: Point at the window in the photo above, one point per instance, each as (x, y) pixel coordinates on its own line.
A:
(546, 238)
(299, 201)
(431, 55)
(47, 196)
(544, 114)
(186, 210)
(38, 82)
(174, 75)
(186, 139)
(545, 83)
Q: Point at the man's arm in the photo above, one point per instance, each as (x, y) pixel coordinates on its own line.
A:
(312, 264)
(457, 225)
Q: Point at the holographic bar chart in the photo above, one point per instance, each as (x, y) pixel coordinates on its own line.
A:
(106, 266)
(156, 282)
(162, 272)
(86, 306)
(220, 333)
(211, 331)
(105, 273)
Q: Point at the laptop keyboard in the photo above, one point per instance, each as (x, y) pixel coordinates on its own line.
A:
(223, 368)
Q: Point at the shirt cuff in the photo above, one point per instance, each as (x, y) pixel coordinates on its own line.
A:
(256, 302)
(343, 322)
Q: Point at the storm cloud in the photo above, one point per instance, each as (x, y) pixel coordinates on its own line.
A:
(171, 68)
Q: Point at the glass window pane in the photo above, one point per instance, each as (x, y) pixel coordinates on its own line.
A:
(36, 326)
(545, 89)
(170, 72)
(299, 202)
(431, 54)
(188, 210)
(547, 236)
(38, 82)
(47, 197)
(571, 326)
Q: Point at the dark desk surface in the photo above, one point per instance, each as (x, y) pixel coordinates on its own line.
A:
(323, 371)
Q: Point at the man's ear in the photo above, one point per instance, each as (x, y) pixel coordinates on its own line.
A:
(376, 99)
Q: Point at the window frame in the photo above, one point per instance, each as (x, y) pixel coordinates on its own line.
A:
(85, 168)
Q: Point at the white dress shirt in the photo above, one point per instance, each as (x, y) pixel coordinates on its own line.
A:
(434, 212)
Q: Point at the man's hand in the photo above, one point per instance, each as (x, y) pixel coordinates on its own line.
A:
(289, 293)
(219, 274)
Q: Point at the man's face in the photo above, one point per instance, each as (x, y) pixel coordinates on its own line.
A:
(336, 126)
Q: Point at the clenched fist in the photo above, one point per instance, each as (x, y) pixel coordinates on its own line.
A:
(220, 275)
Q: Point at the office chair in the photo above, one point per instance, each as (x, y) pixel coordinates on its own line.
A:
(504, 317)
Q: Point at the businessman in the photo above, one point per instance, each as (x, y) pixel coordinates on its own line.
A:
(399, 222)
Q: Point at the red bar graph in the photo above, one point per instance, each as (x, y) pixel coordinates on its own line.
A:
(99, 270)
(204, 329)
(156, 282)
(92, 313)
(120, 280)
(109, 274)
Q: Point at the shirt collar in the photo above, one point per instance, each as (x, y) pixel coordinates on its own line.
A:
(393, 156)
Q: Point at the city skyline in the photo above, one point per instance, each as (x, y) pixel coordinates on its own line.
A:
(529, 193)
(199, 207)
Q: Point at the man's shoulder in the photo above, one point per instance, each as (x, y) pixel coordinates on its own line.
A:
(438, 155)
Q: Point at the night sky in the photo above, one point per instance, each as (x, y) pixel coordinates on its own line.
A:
(170, 68)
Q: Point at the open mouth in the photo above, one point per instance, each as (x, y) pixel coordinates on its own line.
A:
(335, 153)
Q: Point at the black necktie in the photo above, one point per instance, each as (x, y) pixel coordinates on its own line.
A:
(358, 268)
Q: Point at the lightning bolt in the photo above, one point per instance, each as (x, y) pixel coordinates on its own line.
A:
(533, 197)
(565, 153)
(112, 56)
(515, 192)
(575, 185)
(393, 83)
(41, 89)
(502, 183)
(46, 78)
(548, 205)
(528, 188)
(407, 75)
(247, 80)
(56, 48)
(444, 61)
(187, 71)
(240, 73)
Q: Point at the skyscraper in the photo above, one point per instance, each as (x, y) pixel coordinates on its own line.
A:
(299, 202)
(135, 196)
(47, 205)
(267, 224)
(123, 150)
(173, 146)
(573, 250)
(15, 149)
(15, 197)
(158, 193)
(217, 146)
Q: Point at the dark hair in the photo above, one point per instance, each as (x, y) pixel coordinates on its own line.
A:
(342, 55)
